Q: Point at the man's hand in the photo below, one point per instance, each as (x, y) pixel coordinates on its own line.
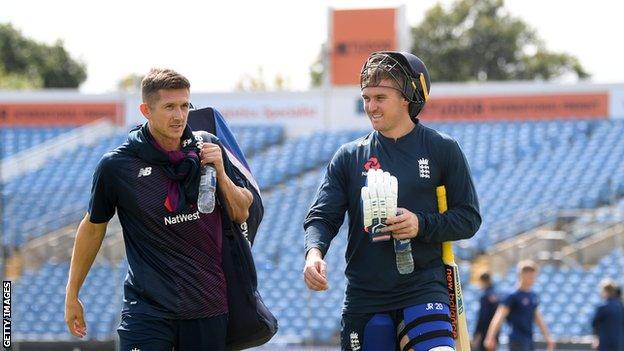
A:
(88, 241)
(315, 271)
(211, 153)
(595, 343)
(379, 201)
(476, 340)
(74, 317)
(550, 344)
(403, 226)
(490, 343)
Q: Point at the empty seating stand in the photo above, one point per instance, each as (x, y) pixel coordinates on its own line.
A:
(16, 139)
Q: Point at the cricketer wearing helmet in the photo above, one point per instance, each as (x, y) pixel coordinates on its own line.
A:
(396, 297)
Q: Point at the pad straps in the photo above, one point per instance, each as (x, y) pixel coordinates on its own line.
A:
(403, 329)
(427, 336)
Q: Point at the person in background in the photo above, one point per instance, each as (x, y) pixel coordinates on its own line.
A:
(521, 311)
(608, 320)
(488, 303)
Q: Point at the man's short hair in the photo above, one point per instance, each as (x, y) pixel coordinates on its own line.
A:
(527, 266)
(161, 78)
(380, 67)
(609, 287)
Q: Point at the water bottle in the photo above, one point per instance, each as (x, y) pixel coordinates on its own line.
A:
(404, 259)
(207, 187)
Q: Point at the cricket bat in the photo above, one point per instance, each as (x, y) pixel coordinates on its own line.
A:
(458, 313)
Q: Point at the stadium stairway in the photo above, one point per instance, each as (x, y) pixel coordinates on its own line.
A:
(558, 243)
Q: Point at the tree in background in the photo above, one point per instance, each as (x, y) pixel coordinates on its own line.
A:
(131, 82)
(26, 64)
(317, 69)
(258, 82)
(480, 40)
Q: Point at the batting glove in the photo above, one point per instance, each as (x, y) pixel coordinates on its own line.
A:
(379, 201)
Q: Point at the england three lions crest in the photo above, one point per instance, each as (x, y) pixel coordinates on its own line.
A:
(423, 168)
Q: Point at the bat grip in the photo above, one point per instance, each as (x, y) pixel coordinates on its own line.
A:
(441, 193)
(447, 252)
(447, 246)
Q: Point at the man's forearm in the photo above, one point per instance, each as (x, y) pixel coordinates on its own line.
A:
(88, 241)
(493, 329)
(496, 324)
(314, 252)
(237, 200)
(456, 224)
(542, 325)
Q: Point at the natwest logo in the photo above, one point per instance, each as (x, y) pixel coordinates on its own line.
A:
(181, 218)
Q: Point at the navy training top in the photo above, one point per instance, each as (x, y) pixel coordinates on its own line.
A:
(522, 306)
(488, 303)
(421, 160)
(174, 258)
(608, 324)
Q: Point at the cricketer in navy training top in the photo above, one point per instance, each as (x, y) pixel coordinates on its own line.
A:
(521, 310)
(608, 319)
(386, 295)
(175, 292)
(488, 303)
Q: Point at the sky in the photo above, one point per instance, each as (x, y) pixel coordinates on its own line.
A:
(216, 43)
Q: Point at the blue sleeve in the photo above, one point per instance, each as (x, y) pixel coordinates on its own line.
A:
(103, 197)
(537, 300)
(329, 206)
(462, 220)
(509, 301)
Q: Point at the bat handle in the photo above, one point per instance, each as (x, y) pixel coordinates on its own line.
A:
(447, 246)
(447, 252)
(441, 193)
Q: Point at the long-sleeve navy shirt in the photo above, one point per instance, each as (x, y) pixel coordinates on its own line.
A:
(421, 160)
(608, 323)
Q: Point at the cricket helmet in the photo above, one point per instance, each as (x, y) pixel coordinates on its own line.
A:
(408, 72)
